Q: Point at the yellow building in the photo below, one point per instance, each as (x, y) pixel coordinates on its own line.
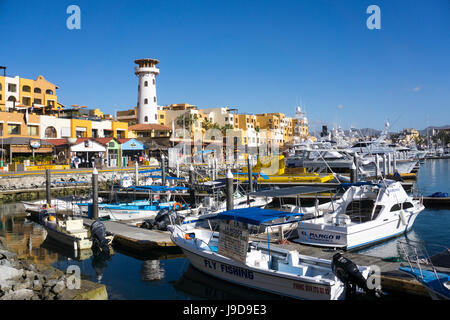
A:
(39, 94)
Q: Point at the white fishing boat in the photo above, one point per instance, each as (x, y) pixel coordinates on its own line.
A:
(257, 265)
(64, 204)
(365, 214)
(70, 232)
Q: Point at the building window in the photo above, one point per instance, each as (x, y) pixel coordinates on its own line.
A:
(145, 101)
(145, 119)
(13, 128)
(161, 116)
(37, 90)
(146, 84)
(153, 81)
(95, 133)
(108, 133)
(120, 134)
(156, 117)
(50, 132)
(26, 89)
(12, 98)
(33, 130)
(1, 129)
(12, 87)
(49, 92)
(26, 101)
(154, 99)
(37, 101)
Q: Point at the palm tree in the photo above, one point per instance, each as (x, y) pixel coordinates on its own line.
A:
(186, 120)
(226, 127)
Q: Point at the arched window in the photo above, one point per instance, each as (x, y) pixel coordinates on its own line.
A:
(154, 99)
(37, 90)
(145, 101)
(48, 91)
(145, 119)
(50, 132)
(26, 88)
(12, 98)
(146, 84)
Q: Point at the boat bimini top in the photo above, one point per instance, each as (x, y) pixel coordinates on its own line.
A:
(254, 215)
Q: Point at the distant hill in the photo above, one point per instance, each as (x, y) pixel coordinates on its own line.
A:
(424, 131)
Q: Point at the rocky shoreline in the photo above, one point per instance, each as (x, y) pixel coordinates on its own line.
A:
(22, 280)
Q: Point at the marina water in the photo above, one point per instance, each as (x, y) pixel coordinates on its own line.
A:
(170, 277)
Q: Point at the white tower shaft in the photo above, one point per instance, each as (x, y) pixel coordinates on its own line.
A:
(147, 101)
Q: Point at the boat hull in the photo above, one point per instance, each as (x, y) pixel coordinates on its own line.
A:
(269, 281)
(70, 241)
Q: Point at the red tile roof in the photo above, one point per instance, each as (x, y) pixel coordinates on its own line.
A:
(57, 142)
(103, 141)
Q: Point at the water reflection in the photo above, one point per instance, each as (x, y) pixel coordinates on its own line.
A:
(152, 270)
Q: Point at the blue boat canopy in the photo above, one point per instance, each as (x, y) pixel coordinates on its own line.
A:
(254, 215)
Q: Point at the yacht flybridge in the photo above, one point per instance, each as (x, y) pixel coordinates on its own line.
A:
(366, 213)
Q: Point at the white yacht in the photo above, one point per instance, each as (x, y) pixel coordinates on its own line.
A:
(365, 214)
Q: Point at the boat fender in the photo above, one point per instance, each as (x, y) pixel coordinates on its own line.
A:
(177, 206)
(402, 218)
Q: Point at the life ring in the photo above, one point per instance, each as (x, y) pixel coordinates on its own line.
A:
(177, 205)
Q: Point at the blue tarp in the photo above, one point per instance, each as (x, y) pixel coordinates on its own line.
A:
(255, 216)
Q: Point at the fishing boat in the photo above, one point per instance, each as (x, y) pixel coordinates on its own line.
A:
(132, 211)
(365, 214)
(230, 256)
(63, 204)
(432, 272)
(70, 232)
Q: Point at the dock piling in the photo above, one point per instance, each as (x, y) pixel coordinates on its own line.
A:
(230, 187)
(48, 194)
(191, 186)
(136, 173)
(163, 170)
(95, 194)
(250, 176)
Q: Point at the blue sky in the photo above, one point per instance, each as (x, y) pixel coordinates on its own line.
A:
(258, 56)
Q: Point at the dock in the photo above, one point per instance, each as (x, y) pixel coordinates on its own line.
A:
(137, 240)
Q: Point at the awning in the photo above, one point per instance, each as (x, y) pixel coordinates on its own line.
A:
(253, 215)
(291, 191)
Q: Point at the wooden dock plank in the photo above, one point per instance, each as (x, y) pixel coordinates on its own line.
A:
(134, 238)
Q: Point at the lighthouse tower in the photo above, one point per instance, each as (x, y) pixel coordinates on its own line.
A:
(147, 108)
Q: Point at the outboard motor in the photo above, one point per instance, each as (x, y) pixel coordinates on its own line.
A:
(349, 274)
(164, 218)
(98, 234)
